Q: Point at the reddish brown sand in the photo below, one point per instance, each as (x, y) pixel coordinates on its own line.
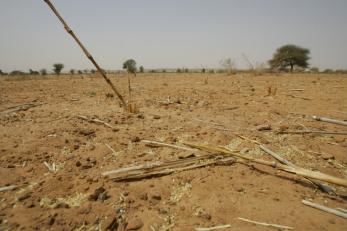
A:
(202, 197)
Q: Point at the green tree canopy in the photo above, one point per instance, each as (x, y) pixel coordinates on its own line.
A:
(290, 56)
(57, 67)
(130, 66)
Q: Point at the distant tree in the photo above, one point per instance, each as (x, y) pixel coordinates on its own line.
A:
(2, 73)
(72, 71)
(178, 70)
(130, 66)
(80, 72)
(92, 71)
(57, 67)
(203, 70)
(186, 70)
(228, 65)
(43, 71)
(85, 71)
(32, 72)
(290, 56)
(164, 70)
(142, 69)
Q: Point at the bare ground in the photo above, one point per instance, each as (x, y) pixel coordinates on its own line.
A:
(172, 108)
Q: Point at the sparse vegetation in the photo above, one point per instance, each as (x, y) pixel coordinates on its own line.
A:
(290, 56)
(57, 68)
(72, 71)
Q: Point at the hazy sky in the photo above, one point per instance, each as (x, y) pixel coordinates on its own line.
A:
(175, 33)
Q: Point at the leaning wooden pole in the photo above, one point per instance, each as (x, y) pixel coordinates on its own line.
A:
(85, 51)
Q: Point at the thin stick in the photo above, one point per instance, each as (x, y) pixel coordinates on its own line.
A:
(298, 170)
(156, 144)
(97, 121)
(7, 188)
(298, 97)
(113, 151)
(328, 120)
(85, 51)
(265, 224)
(314, 132)
(325, 209)
(21, 107)
(213, 228)
(276, 156)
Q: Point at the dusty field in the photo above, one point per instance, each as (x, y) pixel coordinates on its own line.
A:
(209, 196)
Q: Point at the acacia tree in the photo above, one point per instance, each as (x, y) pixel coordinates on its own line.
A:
(130, 66)
(57, 67)
(290, 56)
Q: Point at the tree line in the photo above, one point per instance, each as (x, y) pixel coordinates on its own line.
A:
(287, 58)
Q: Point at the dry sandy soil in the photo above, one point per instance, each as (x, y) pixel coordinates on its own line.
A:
(70, 196)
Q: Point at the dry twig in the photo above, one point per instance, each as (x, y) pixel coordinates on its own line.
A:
(97, 121)
(213, 228)
(7, 188)
(158, 168)
(265, 224)
(21, 107)
(313, 132)
(325, 209)
(161, 144)
(328, 120)
(295, 170)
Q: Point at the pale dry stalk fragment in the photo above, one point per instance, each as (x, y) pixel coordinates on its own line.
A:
(213, 228)
(325, 209)
(265, 224)
(328, 120)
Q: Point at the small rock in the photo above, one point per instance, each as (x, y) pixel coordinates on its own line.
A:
(156, 117)
(99, 194)
(140, 116)
(263, 127)
(144, 196)
(135, 139)
(23, 196)
(163, 210)
(283, 128)
(51, 221)
(134, 224)
(328, 157)
(62, 205)
(78, 163)
(156, 196)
